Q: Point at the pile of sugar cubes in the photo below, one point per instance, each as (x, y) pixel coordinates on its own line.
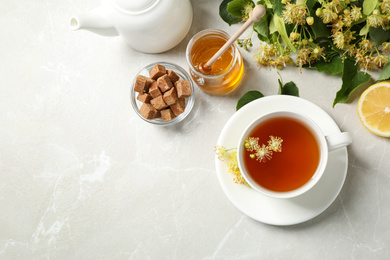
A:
(163, 94)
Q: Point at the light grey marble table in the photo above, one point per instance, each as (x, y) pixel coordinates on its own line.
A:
(83, 177)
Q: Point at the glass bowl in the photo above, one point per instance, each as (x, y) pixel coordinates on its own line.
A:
(183, 76)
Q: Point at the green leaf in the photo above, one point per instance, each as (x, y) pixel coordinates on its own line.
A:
(369, 6)
(361, 20)
(272, 26)
(379, 35)
(335, 66)
(270, 39)
(310, 6)
(248, 97)
(274, 37)
(224, 14)
(278, 7)
(236, 6)
(385, 74)
(279, 24)
(263, 38)
(352, 78)
(267, 4)
(364, 30)
(261, 27)
(289, 28)
(319, 28)
(288, 89)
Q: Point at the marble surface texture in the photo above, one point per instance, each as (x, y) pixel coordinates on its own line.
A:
(83, 177)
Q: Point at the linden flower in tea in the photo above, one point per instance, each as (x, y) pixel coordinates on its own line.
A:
(252, 144)
(261, 153)
(275, 143)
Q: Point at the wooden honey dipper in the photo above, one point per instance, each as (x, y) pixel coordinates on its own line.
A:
(254, 16)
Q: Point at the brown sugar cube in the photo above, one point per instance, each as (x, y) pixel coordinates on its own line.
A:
(148, 111)
(179, 106)
(154, 91)
(183, 88)
(170, 97)
(164, 83)
(149, 82)
(157, 71)
(144, 98)
(157, 115)
(173, 76)
(167, 114)
(141, 84)
(158, 103)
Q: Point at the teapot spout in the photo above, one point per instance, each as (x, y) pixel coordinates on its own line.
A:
(94, 21)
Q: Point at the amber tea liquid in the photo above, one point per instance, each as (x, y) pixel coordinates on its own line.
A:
(294, 165)
(226, 73)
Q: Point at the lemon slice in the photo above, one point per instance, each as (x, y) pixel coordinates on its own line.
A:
(374, 109)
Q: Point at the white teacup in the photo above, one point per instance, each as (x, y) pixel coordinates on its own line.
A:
(325, 145)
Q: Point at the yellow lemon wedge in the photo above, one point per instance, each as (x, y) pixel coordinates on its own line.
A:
(374, 109)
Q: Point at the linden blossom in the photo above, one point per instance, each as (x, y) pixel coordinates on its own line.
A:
(275, 143)
(230, 158)
(252, 144)
(346, 38)
(263, 152)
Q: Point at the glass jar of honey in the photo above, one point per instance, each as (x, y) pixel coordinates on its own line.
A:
(226, 73)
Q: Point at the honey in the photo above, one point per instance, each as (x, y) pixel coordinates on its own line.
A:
(226, 73)
(205, 49)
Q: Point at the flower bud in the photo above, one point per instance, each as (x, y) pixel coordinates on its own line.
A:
(294, 36)
(318, 11)
(310, 20)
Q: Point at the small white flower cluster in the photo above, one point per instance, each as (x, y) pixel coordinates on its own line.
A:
(263, 152)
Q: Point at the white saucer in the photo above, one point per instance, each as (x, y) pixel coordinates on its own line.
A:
(282, 211)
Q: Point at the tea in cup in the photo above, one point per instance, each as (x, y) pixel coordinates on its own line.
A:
(284, 154)
(226, 73)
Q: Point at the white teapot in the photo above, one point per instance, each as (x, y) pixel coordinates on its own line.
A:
(150, 26)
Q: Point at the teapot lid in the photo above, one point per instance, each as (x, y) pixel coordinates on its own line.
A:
(134, 5)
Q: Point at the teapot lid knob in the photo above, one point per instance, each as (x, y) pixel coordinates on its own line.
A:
(134, 5)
